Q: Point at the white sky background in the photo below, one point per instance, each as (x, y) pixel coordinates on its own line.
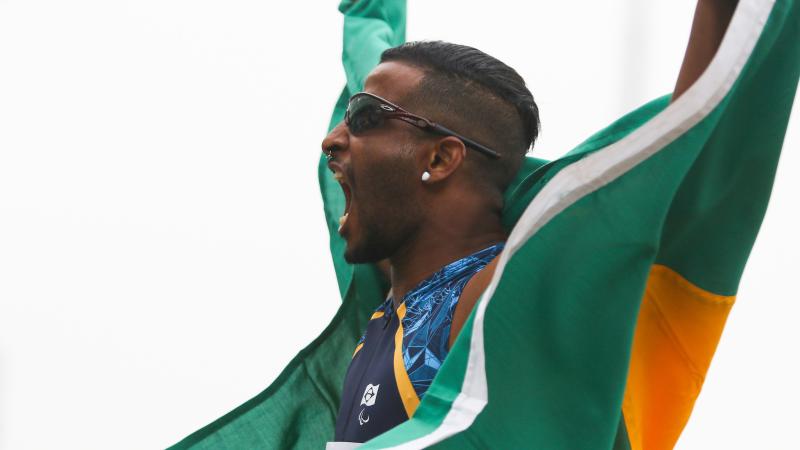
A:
(160, 220)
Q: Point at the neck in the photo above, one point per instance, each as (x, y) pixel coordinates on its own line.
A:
(437, 245)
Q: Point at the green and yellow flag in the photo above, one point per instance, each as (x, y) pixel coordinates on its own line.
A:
(622, 263)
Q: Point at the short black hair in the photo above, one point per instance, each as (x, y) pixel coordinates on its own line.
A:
(477, 95)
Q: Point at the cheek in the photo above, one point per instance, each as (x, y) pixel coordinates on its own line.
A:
(387, 185)
(386, 208)
(390, 184)
(387, 173)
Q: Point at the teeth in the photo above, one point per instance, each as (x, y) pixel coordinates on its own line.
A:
(342, 220)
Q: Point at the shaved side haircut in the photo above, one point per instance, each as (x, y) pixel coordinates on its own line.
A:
(477, 95)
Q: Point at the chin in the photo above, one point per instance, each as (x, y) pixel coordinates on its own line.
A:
(371, 244)
(356, 257)
(362, 254)
(348, 256)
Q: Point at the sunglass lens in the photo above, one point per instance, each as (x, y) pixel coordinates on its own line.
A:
(364, 113)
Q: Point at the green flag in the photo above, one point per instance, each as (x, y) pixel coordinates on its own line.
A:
(622, 263)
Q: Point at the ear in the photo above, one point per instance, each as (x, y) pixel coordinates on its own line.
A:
(445, 158)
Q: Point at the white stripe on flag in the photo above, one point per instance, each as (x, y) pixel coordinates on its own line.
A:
(341, 445)
(595, 171)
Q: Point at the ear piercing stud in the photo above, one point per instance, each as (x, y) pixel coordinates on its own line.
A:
(426, 176)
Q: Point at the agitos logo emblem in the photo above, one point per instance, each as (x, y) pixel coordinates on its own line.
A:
(361, 419)
(370, 394)
(368, 399)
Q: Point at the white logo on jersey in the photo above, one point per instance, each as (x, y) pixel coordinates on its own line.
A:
(370, 394)
(361, 419)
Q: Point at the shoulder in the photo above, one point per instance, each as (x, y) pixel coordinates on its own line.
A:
(469, 296)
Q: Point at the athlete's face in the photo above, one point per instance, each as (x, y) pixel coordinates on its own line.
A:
(380, 172)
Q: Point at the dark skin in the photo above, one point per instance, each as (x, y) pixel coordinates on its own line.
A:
(448, 216)
(453, 222)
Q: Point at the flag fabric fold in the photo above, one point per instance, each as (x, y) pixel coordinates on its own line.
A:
(298, 410)
(622, 263)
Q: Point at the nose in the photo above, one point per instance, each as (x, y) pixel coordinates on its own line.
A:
(336, 141)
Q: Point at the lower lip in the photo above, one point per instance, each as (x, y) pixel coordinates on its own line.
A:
(343, 226)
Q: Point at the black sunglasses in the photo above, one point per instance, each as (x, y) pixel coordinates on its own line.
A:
(366, 112)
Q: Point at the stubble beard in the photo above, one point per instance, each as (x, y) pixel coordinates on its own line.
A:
(388, 214)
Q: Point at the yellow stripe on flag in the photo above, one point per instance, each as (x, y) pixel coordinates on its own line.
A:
(676, 335)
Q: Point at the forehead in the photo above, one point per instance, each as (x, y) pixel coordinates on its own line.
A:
(393, 81)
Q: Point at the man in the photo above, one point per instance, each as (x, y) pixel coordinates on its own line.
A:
(425, 201)
(600, 309)
(430, 201)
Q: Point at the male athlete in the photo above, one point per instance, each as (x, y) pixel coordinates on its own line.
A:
(424, 156)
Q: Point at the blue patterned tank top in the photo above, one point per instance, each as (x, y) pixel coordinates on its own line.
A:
(384, 383)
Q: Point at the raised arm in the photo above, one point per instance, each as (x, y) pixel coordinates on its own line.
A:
(370, 27)
(711, 19)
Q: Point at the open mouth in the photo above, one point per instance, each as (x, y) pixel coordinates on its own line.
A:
(339, 176)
